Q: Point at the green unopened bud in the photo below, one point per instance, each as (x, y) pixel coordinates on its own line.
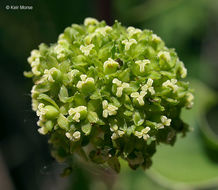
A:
(51, 112)
(49, 125)
(86, 85)
(110, 66)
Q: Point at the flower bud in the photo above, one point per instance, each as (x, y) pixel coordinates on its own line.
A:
(51, 112)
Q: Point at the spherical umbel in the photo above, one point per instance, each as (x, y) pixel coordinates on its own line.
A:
(110, 92)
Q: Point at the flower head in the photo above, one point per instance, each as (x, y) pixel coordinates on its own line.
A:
(106, 92)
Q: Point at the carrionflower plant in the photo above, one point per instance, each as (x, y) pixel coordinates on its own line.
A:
(108, 93)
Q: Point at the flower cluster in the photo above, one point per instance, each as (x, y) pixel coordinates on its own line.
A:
(108, 92)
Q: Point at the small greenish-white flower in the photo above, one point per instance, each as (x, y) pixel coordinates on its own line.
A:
(171, 84)
(143, 133)
(88, 38)
(34, 54)
(110, 66)
(164, 55)
(36, 71)
(62, 41)
(139, 97)
(61, 36)
(142, 64)
(129, 43)
(72, 74)
(103, 30)
(33, 91)
(48, 74)
(116, 132)
(86, 49)
(60, 51)
(120, 86)
(76, 116)
(183, 70)
(34, 58)
(132, 31)
(39, 123)
(77, 112)
(43, 130)
(73, 137)
(90, 21)
(164, 122)
(34, 61)
(108, 109)
(46, 112)
(155, 38)
(35, 104)
(148, 87)
(41, 111)
(189, 99)
(84, 80)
